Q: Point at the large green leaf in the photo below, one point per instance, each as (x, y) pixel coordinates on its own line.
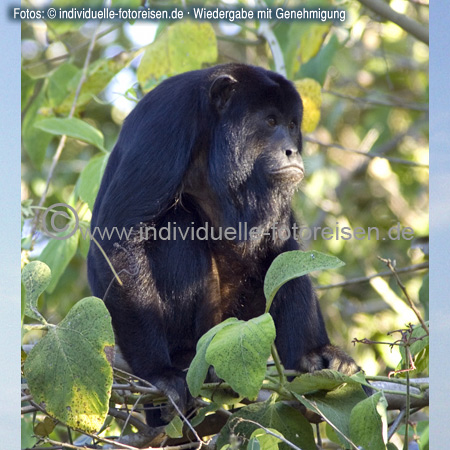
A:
(336, 406)
(181, 47)
(290, 423)
(70, 368)
(239, 353)
(199, 366)
(368, 423)
(36, 276)
(74, 128)
(57, 254)
(293, 264)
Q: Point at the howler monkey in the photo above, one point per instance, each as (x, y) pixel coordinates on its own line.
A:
(208, 149)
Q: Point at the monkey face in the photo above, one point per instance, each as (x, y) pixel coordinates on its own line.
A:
(258, 133)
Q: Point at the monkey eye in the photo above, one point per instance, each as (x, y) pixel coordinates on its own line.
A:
(271, 121)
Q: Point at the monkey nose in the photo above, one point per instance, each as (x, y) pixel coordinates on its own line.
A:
(290, 151)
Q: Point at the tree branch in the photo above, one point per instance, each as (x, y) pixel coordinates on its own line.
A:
(410, 26)
(360, 280)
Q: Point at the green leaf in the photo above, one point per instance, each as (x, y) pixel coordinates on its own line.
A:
(418, 349)
(422, 361)
(368, 423)
(85, 240)
(325, 379)
(45, 427)
(35, 141)
(201, 414)
(198, 368)
(294, 264)
(90, 179)
(58, 86)
(27, 438)
(300, 42)
(100, 73)
(422, 343)
(317, 67)
(70, 368)
(181, 47)
(36, 276)
(57, 254)
(239, 353)
(287, 421)
(175, 428)
(221, 395)
(424, 440)
(75, 128)
(253, 444)
(335, 405)
(332, 435)
(266, 441)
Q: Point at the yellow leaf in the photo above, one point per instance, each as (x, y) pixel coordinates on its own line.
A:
(311, 94)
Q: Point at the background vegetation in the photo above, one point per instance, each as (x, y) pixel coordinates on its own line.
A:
(366, 157)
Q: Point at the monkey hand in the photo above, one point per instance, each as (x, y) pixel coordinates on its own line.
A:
(329, 357)
(174, 387)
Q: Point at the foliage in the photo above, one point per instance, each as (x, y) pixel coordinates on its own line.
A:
(364, 85)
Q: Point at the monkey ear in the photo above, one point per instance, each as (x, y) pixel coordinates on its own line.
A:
(221, 91)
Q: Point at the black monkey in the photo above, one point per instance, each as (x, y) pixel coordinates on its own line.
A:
(218, 147)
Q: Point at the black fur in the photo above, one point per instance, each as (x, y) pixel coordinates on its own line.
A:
(219, 146)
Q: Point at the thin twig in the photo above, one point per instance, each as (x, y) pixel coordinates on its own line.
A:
(251, 42)
(367, 154)
(391, 104)
(360, 280)
(28, 409)
(388, 262)
(396, 423)
(278, 365)
(186, 421)
(128, 418)
(361, 167)
(62, 445)
(315, 408)
(136, 388)
(63, 140)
